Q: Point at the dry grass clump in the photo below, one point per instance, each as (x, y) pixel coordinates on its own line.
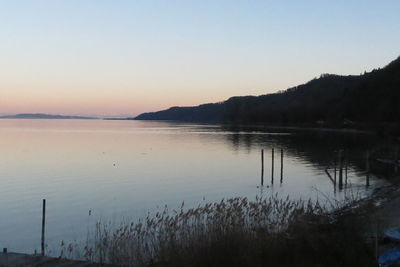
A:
(232, 232)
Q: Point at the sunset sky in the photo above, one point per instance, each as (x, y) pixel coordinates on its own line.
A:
(113, 58)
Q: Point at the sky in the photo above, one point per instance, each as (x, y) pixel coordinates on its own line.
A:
(112, 58)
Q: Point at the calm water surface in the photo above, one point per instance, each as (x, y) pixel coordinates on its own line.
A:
(120, 170)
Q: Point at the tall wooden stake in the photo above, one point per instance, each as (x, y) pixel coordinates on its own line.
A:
(43, 224)
(272, 167)
(346, 163)
(335, 163)
(367, 168)
(262, 166)
(340, 170)
(281, 165)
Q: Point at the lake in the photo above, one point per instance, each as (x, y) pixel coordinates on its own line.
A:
(108, 170)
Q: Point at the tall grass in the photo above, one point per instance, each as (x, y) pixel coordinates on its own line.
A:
(233, 232)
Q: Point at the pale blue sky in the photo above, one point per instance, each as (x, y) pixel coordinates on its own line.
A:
(127, 57)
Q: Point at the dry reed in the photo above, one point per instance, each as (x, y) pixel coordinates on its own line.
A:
(233, 232)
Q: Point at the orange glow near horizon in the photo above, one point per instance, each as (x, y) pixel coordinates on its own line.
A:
(105, 104)
(107, 97)
(124, 58)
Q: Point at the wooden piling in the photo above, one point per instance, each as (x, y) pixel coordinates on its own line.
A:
(262, 166)
(281, 165)
(335, 163)
(346, 163)
(367, 168)
(330, 177)
(43, 225)
(340, 156)
(272, 167)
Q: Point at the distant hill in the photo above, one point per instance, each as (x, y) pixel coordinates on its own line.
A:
(330, 100)
(43, 116)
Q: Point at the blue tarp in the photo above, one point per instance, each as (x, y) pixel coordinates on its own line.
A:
(393, 234)
(391, 256)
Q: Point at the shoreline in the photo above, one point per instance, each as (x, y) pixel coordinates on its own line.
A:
(264, 126)
(12, 259)
(375, 211)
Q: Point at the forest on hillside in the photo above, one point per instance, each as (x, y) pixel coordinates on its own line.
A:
(360, 101)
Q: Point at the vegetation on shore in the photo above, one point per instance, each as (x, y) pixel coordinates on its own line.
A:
(234, 232)
(367, 101)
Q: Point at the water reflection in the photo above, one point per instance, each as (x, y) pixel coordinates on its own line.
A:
(120, 169)
(315, 149)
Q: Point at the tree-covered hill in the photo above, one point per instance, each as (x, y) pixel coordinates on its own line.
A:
(331, 100)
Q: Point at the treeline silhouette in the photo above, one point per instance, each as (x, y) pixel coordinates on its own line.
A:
(357, 101)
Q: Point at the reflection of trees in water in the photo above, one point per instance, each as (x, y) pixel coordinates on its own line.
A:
(317, 148)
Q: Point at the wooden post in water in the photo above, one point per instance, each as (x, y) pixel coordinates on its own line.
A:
(43, 225)
(262, 166)
(335, 163)
(340, 169)
(272, 167)
(346, 163)
(281, 165)
(367, 168)
(396, 161)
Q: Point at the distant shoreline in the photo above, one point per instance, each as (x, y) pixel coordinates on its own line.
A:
(249, 127)
(263, 126)
(37, 116)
